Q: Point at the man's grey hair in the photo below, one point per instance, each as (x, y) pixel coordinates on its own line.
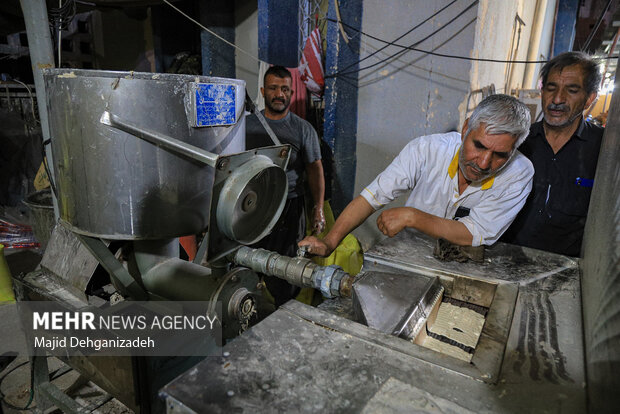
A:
(501, 114)
(592, 75)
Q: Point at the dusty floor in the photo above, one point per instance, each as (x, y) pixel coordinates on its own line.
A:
(15, 378)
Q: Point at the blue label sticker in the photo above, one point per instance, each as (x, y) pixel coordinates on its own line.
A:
(215, 104)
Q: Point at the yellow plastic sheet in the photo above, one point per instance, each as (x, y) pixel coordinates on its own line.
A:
(348, 255)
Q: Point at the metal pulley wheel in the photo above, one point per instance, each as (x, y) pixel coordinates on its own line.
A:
(252, 200)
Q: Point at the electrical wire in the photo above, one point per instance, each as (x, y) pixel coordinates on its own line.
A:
(46, 166)
(212, 32)
(434, 53)
(445, 54)
(400, 37)
(61, 17)
(411, 64)
(402, 52)
(387, 43)
(596, 26)
(36, 120)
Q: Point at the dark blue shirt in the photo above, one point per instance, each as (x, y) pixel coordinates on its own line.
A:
(554, 215)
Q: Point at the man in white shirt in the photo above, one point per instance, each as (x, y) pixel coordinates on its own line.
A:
(466, 189)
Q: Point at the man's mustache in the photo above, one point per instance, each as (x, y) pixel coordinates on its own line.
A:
(278, 100)
(559, 107)
(476, 168)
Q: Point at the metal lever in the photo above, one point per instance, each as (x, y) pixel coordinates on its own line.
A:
(156, 138)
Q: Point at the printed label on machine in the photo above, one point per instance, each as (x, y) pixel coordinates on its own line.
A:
(214, 104)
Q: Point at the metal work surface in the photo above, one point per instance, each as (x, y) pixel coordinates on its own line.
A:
(304, 359)
(413, 251)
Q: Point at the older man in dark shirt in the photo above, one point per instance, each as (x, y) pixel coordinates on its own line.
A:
(564, 150)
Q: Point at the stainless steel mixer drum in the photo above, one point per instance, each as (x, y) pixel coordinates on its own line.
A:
(114, 185)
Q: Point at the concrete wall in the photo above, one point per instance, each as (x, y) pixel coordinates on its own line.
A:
(416, 94)
(246, 37)
(496, 33)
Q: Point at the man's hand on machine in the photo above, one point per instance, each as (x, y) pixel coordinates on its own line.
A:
(316, 246)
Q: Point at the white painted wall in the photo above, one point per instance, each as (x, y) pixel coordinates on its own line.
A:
(246, 37)
(495, 34)
(540, 41)
(415, 95)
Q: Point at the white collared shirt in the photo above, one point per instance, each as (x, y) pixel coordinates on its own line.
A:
(428, 166)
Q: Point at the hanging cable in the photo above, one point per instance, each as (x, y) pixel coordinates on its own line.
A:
(212, 32)
(34, 115)
(435, 53)
(447, 55)
(62, 16)
(413, 45)
(596, 26)
(405, 65)
(400, 37)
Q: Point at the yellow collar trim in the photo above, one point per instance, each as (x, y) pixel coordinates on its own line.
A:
(454, 164)
(487, 183)
(454, 167)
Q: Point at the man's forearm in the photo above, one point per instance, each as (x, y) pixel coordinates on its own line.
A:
(316, 182)
(438, 227)
(353, 215)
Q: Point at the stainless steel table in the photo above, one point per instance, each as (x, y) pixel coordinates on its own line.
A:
(304, 359)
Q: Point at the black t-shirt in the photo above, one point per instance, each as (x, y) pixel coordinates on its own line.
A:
(554, 216)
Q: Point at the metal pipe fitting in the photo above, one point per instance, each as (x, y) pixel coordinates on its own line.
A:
(332, 281)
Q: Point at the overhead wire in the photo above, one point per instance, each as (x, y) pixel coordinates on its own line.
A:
(402, 52)
(387, 43)
(596, 26)
(431, 52)
(61, 17)
(406, 64)
(36, 120)
(445, 54)
(401, 36)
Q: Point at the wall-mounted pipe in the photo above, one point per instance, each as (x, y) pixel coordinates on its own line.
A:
(41, 57)
(536, 44)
